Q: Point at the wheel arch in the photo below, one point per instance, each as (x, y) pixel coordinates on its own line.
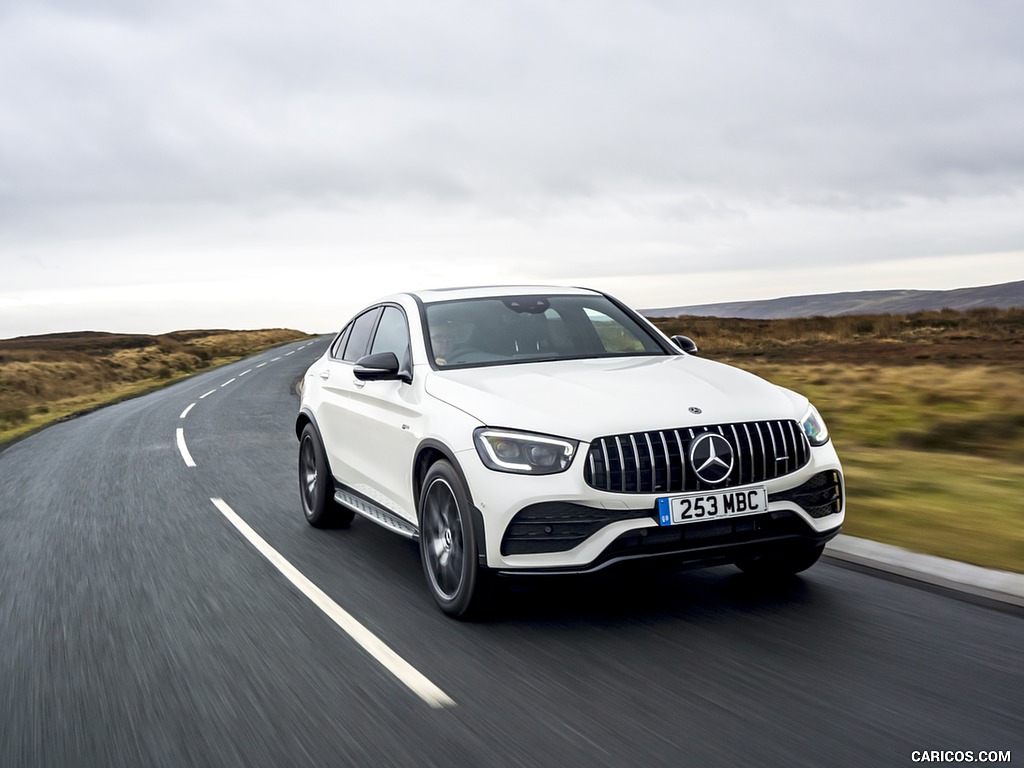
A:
(429, 452)
(304, 419)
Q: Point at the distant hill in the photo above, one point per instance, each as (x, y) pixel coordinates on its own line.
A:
(1003, 296)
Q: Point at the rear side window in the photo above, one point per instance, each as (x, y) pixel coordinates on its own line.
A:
(339, 343)
(359, 336)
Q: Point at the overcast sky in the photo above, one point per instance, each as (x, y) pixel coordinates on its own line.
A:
(212, 163)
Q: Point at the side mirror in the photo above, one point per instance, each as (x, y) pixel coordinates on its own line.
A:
(382, 366)
(686, 344)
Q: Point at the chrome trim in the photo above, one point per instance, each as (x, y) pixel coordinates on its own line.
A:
(654, 466)
(764, 452)
(781, 453)
(636, 461)
(668, 461)
(682, 458)
(607, 464)
(622, 465)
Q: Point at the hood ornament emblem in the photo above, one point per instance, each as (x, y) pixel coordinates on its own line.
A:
(694, 409)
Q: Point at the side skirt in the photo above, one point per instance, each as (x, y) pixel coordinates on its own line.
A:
(377, 514)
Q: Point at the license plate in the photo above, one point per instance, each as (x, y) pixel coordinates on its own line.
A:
(711, 505)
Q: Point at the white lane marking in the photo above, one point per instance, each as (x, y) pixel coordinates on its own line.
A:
(289, 353)
(275, 359)
(207, 394)
(226, 383)
(395, 664)
(189, 462)
(244, 372)
(261, 365)
(185, 412)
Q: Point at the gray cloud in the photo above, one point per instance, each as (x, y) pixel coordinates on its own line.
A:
(892, 128)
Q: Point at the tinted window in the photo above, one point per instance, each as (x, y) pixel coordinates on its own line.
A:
(615, 337)
(339, 343)
(532, 328)
(359, 336)
(392, 334)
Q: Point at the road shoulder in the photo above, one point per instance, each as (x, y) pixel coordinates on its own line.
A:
(982, 583)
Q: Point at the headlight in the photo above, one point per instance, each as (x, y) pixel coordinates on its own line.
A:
(522, 452)
(814, 426)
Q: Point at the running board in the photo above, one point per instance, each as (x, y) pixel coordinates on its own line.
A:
(377, 514)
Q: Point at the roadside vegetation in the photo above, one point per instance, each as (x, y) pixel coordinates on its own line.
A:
(926, 410)
(44, 379)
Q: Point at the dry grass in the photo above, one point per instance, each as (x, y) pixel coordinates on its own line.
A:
(964, 507)
(46, 378)
(975, 410)
(926, 410)
(979, 336)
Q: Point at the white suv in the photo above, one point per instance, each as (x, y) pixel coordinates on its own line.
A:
(523, 430)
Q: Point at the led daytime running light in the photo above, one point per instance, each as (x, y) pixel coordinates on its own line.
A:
(523, 453)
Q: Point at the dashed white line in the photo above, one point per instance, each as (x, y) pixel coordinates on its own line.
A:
(189, 462)
(411, 677)
(181, 433)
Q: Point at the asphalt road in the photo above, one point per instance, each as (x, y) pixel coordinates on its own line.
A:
(140, 627)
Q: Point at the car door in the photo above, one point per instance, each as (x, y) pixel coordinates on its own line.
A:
(383, 423)
(337, 387)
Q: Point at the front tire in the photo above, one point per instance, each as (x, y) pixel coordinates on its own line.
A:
(781, 564)
(448, 545)
(316, 489)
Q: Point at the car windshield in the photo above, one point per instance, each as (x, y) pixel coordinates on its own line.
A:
(511, 329)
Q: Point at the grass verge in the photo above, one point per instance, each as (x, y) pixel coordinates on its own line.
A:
(966, 508)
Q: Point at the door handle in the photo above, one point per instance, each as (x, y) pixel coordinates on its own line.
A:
(325, 374)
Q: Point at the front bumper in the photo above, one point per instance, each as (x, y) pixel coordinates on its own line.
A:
(559, 524)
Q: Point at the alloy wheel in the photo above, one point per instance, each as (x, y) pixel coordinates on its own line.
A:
(444, 539)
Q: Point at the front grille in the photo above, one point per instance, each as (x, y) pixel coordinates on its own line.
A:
(658, 461)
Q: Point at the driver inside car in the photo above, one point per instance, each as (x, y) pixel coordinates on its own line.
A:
(446, 337)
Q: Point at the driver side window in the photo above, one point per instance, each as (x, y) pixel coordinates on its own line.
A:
(393, 336)
(359, 336)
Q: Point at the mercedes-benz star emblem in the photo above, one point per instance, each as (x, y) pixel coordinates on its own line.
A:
(711, 457)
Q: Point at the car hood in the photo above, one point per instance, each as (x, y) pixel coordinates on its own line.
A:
(584, 399)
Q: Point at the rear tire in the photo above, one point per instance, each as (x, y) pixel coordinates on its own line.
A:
(316, 488)
(448, 546)
(782, 563)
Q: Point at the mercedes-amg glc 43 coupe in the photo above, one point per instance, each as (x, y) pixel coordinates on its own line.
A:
(526, 430)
